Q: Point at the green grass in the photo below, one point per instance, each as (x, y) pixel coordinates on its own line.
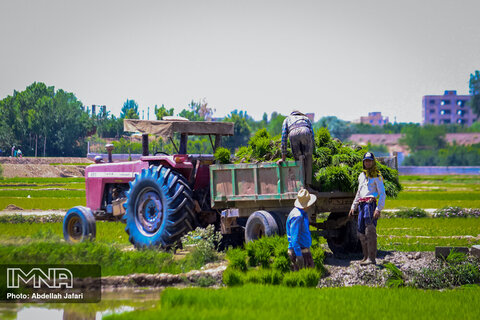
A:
(424, 234)
(107, 232)
(40, 180)
(113, 259)
(43, 203)
(67, 193)
(40, 193)
(272, 302)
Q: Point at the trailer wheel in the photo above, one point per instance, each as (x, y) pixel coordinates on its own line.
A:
(344, 240)
(79, 225)
(159, 208)
(260, 224)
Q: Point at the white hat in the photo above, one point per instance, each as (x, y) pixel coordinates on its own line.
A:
(305, 199)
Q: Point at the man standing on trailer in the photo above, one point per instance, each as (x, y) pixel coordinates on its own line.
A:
(298, 232)
(299, 129)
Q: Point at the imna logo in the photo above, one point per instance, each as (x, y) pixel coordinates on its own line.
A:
(53, 278)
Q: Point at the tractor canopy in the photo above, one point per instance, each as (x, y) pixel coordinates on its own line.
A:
(166, 128)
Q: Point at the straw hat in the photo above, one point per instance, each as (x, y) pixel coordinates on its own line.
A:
(305, 199)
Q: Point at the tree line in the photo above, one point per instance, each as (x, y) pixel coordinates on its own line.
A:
(43, 121)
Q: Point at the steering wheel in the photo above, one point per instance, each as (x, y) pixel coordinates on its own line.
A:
(161, 153)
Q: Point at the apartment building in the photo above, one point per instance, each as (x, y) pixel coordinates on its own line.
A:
(447, 108)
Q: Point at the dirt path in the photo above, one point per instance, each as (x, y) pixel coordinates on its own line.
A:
(42, 167)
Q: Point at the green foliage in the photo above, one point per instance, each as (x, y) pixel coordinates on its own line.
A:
(318, 255)
(233, 277)
(333, 178)
(302, 278)
(112, 259)
(55, 121)
(204, 242)
(162, 112)
(264, 276)
(222, 155)
(454, 271)
(411, 213)
(451, 155)
(129, 110)
(474, 85)
(395, 276)
(237, 259)
(1, 171)
(338, 128)
(282, 263)
(241, 130)
(428, 137)
(322, 137)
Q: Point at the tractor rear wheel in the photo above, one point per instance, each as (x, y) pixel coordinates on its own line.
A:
(159, 208)
(79, 225)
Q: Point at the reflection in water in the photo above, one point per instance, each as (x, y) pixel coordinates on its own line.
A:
(112, 302)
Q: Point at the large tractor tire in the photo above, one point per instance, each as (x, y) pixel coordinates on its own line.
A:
(260, 224)
(344, 240)
(159, 208)
(79, 225)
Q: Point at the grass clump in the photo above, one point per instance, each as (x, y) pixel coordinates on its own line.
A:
(411, 213)
(203, 245)
(302, 278)
(222, 155)
(457, 269)
(266, 261)
(237, 259)
(395, 277)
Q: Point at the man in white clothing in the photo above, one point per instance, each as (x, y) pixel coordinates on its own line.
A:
(370, 187)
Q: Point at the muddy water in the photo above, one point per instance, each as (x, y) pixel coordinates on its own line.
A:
(118, 301)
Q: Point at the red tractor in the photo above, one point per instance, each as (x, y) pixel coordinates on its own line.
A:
(160, 197)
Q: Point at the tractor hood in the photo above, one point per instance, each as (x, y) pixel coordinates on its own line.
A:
(166, 129)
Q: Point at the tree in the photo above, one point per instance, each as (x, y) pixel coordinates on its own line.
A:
(130, 110)
(162, 112)
(197, 111)
(274, 127)
(429, 137)
(338, 128)
(475, 92)
(40, 118)
(241, 131)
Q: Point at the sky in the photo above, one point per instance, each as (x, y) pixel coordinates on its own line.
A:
(341, 58)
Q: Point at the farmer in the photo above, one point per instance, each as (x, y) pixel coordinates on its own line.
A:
(370, 187)
(299, 129)
(298, 233)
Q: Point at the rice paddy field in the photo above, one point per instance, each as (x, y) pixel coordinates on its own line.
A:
(433, 192)
(273, 302)
(428, 192)
(22, 241)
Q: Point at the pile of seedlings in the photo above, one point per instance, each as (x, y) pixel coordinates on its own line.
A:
(336, 166)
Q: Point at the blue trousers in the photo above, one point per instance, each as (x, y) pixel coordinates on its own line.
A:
(365, 215)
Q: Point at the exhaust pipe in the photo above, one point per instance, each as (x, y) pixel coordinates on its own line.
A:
(109, 148)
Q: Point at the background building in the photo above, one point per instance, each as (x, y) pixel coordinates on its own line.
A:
(447, 108)
(374, 119)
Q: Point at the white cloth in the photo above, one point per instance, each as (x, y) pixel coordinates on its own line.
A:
(370, 187)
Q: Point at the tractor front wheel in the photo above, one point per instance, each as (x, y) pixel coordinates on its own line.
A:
(159, 208)
(79, 225)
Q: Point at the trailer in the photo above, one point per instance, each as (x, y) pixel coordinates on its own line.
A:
(256, 198)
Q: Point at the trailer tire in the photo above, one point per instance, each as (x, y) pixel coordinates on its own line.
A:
(79, 225)
(260, 223)
(345, 241)
(159, 208)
